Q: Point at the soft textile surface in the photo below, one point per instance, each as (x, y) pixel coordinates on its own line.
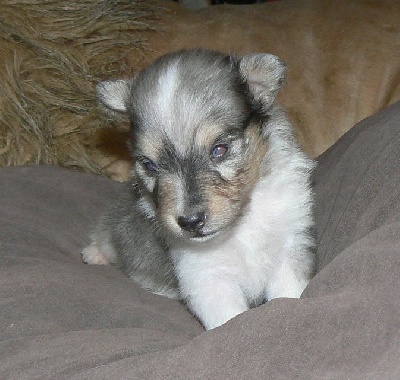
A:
(62, 319)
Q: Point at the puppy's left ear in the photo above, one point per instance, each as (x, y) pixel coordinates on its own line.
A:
(264, 75)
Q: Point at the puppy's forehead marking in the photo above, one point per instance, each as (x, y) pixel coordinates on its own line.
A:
(175, 108)
(167, 86)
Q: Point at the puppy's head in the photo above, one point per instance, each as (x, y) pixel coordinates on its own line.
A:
(196, 121)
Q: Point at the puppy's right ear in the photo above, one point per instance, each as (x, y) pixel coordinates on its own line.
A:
(114, 94)
(264, 75)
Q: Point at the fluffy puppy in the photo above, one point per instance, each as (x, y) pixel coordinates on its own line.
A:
(218, 211)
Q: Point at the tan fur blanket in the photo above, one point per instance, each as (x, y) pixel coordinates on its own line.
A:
(52, 54)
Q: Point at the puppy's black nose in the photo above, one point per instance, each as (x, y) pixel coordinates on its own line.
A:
(192, 222)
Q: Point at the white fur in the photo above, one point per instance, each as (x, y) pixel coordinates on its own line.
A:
(93, 255)
(166, 93)
(114, 94)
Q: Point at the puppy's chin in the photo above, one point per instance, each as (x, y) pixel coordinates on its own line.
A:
(203, 237)
(183, 237)
(175, 235)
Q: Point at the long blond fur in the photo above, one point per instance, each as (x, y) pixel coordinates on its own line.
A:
(52, 54)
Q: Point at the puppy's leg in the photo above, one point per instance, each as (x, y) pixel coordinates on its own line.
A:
(92, 255)
(211, 290)
(216, 302)
(286, 282)
(100, 251)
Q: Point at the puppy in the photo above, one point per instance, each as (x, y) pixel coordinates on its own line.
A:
(219, 208)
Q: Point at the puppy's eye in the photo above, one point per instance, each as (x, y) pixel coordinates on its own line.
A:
(149, 165)
(219, 150)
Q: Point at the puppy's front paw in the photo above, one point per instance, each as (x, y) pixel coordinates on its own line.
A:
(92, 255)
(218, 304)
(211, 321)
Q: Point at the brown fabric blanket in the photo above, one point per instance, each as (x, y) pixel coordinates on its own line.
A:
(61, 319)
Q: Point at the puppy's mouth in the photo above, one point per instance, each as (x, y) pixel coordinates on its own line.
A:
(203, 236)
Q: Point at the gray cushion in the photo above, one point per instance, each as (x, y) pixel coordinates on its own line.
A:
(62, 319)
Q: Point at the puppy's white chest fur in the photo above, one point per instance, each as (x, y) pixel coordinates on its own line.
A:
(257, 260)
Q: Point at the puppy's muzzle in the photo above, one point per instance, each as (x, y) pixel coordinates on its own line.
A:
(192, 223)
